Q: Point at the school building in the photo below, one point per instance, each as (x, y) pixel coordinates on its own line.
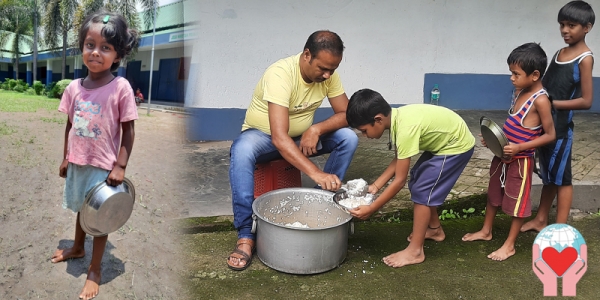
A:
(398, 48)
(170, 68)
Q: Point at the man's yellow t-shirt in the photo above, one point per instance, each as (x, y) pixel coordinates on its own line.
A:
(283, 84)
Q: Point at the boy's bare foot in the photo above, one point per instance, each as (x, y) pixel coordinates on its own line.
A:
(404, 258)
(534, 225)
(435, 234)
(64, 254)
(502, 253)
(92, 285)
(477, 236)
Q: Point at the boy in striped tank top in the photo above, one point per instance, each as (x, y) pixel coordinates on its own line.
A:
(529, 125)
(568, 81)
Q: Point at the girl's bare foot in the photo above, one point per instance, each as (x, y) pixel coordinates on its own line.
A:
(477, 236)
(92, 285)
(64, 254)
(534, 225)
(435, 234)
(404, 258)
(501, 254)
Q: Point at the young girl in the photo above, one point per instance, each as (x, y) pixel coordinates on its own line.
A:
(99, 106)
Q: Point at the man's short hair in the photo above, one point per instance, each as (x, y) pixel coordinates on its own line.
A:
(324, 40)
(529, 57)
(364, 105)
(577, 11)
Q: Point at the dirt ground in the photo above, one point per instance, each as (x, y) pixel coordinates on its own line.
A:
(140, 261)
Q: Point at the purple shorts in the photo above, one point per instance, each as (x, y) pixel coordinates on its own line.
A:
(433, 176)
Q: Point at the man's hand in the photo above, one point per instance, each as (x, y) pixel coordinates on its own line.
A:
(309, 141)
(328, 181)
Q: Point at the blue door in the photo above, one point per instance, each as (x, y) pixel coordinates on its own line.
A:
(168, 80)
(135, 78)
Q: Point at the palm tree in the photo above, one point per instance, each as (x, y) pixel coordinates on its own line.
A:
(125, 7)
(35, 13)
(17, 29)
(58, 21)
(62, 16)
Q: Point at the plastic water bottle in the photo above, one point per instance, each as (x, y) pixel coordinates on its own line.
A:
(435, 95)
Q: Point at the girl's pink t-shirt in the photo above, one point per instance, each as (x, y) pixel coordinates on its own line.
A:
(96, 115)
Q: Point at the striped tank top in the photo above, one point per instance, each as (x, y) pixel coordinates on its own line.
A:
(514, 129)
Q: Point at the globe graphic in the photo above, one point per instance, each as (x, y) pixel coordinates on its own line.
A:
(559, 237)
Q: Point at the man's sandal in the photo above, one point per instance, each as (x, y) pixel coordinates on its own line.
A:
(245, 257)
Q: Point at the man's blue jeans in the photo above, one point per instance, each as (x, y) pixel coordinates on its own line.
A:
(253, 146)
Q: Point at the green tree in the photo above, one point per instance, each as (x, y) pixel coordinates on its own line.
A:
(34, 9)
(127, 8)
(64, 16)
(17, 29)
(57, 22)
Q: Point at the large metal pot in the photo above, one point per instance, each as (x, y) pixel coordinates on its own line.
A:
(296, 250)
(106, 208)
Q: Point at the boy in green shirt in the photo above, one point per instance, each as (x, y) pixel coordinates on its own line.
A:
(447, 144)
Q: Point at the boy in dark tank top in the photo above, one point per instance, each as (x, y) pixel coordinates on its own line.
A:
(568, 81)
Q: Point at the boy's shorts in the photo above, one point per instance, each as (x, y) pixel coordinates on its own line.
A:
(80, 180)
(433, 176)
(555, 162)
(510, 186)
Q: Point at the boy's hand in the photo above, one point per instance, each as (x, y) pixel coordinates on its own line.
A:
(482, 141)
(511, 149)
(373, 189)
(116, 176)
(62, 170)
(362, 212)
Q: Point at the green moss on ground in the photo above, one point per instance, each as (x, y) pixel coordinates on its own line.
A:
(452, 270)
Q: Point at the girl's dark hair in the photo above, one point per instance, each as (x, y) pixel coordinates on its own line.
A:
(577, 11)
(364, 105)
(529, 57)
(115, 31)
(324, 40)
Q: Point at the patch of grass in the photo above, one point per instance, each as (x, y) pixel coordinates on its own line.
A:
(204, 224)
(53, 120)
(6, 129)
(18, 102)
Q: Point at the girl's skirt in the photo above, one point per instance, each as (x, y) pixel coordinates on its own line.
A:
(80, 180)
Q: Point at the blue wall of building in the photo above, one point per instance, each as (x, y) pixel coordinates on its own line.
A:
(479, 91)
(215, 124)
(458, 92)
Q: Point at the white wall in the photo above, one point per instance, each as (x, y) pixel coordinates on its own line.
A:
(158, 55)
(390, 45)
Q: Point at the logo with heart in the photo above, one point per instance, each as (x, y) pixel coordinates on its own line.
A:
(559, 262)
(559, 251)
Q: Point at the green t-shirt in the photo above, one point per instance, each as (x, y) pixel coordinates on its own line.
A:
(425, 127)
(283, 84)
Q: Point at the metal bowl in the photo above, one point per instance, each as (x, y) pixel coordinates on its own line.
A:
(107, 208)
(494, 136)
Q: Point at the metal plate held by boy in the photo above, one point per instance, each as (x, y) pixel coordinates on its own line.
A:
(493, 136)
(107, 208)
